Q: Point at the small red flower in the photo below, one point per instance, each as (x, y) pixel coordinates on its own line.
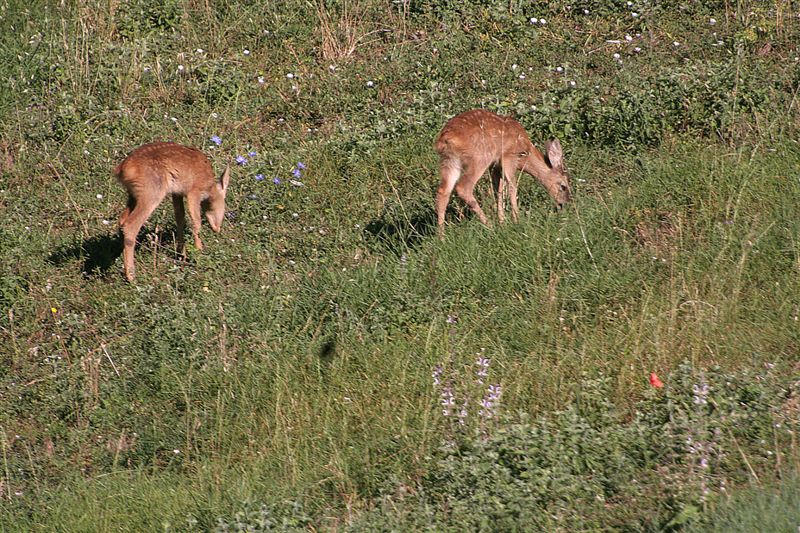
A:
(654, 381)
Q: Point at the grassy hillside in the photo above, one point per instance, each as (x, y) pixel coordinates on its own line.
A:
(326, 362)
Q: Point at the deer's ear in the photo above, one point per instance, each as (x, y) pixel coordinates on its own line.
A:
(554, 153)
(226, 178)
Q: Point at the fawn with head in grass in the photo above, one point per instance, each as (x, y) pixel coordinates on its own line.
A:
(153, 171)
(476, 140)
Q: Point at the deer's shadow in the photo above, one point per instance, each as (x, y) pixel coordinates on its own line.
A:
(99, 253)
(399, 234)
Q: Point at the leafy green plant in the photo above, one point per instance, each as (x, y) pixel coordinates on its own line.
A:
(144, 17)
(583, 466)
(262, 518)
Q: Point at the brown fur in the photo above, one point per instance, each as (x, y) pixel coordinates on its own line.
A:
(476, 140)
(153, 171)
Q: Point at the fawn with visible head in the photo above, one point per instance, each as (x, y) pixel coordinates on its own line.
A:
(476, 140)
(153, 171)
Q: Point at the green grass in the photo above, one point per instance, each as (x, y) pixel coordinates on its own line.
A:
(758, 510)
(289, 363)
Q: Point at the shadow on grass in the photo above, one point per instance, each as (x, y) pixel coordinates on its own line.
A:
(99, 253)
(398, 234)
(327, 351)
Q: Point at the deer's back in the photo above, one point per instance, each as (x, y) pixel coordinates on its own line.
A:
(165, 165)
(481, 133)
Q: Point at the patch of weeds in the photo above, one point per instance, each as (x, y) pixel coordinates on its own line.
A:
(144, 17)
(683, 446)
(218, 81)
(262, 517)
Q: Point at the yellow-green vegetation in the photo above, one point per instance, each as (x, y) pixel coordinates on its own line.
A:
(326, 362)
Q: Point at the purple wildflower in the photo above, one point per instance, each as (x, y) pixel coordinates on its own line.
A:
(252, 153)
(276, 180)
(301, 166)
(241, 160)
(495, 391)
(448, 399)
(216, 140)
(483, 367)
(296, 172)
(490, 400)
(463, 413)
(700, 393)
(437, 375)
(259, 177)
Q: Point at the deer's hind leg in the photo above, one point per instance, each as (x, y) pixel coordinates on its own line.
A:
(127, 211)
(450, 173)
(133, 221)
(465, 188)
